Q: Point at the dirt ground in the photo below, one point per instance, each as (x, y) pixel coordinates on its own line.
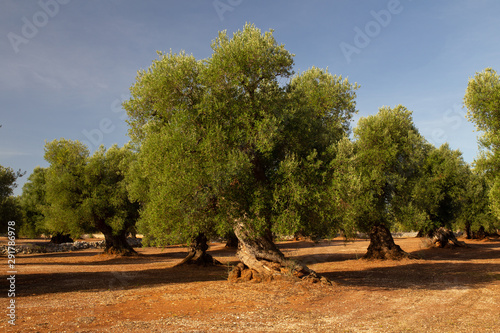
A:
(445, 290)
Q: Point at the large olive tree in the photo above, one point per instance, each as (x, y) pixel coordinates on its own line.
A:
(236, 142)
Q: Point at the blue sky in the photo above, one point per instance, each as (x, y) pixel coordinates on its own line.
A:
(67, 64)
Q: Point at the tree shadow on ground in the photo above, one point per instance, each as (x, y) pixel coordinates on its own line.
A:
(50, 283)
(477, 251)
(439, 269)
(486, 250)
(429, 276)
(106, 260)
(432, 268)
(121, 272)
(98, 258)
(290, 245)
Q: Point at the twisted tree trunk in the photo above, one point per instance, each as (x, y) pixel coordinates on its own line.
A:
(198, 253)
(262, 260)
(382, 245)
(116, 242)
(468, 231)
(442, 237)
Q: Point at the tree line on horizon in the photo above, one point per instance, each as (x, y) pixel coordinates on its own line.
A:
(239, 145)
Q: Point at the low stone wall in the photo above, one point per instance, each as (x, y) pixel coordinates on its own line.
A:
(64, 247)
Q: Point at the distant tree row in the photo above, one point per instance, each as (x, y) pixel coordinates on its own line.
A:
(78, 194)
(239, 144)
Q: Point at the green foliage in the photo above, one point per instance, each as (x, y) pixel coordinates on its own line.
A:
(494, 196)
(33, 203)
(10, 210)
(9, 205)
(376, 172)
(105, 198)
(346, 188)
(441, 189)
(7, 181)
(482, 100)
(225, 139)
(64, 187)
(475, 210)
(87, 193)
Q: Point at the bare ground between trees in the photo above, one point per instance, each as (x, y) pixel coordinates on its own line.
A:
(446, 290)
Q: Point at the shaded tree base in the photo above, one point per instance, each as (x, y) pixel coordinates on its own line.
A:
(481, 234)
(200, 259)
(124, 252)
(60, 239)
(198, 253)
(232, 241)
(382, 245)
(116, 244)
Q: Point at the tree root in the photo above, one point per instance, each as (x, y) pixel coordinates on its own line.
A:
(242, 273)
(198, 253)
(124, 252)
(200, 259)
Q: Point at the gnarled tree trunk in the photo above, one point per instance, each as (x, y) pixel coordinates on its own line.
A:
(262, 260)
(382, 245)
(116, 243)
(442, 237)
(468, 231)
(198, 253)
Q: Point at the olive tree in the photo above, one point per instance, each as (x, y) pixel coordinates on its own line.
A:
(441, 189)
(87, 193)
(236, 142)
(375, 174)
(476, 216)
